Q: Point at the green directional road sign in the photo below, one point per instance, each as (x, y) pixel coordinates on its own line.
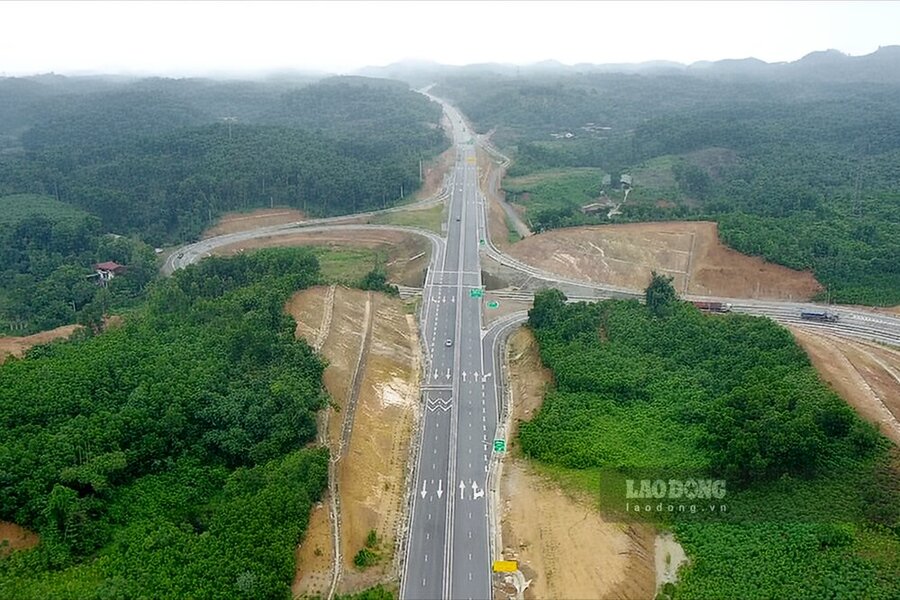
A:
(482, 242)
(493, 304)
(476, 292)
(499, 445)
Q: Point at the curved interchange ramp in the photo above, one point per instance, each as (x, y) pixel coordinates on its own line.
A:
(451, 536)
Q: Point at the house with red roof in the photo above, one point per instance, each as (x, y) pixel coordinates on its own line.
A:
(108, 270)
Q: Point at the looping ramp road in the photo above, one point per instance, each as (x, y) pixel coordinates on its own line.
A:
(448, 550)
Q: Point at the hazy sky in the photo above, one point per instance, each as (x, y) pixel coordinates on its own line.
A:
(180, 38)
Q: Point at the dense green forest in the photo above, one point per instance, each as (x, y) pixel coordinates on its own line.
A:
(663, 390)
(803, 173)
(165, 457)
(99, 169)
(162, 158)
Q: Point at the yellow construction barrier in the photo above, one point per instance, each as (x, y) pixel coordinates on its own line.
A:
(505, 566)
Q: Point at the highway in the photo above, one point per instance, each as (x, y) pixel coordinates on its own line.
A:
(448, 551)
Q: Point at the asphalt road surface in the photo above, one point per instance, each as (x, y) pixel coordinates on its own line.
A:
(448, 554)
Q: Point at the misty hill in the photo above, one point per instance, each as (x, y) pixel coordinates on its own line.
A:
(881, 66)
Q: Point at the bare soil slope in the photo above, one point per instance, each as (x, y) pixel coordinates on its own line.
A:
(690, 252)
(561, 542)
(243, 221)
(434, 171)
(13, 537)
(866, 375)
(371, 478)
(17, 346)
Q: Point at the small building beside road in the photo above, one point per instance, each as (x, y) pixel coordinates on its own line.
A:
(108, 270)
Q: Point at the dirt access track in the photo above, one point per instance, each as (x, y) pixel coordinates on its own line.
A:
(370, 341)
(690, 252)
(563, 545)
(865, 374)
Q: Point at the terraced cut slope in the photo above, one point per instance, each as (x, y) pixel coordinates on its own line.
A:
(371, 345)
(690, 252)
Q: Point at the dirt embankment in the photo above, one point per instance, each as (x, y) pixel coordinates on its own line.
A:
(243, 221)
(406, 255)
(561, 542)
(371, 478)
(864, 374)
(13, 537)
(434, 172)
(17, 346)
(489, 177)
(690, 252)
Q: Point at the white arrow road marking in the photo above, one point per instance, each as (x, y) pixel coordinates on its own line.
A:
(476, 375)
(448, 373)
(486, 375)
(476, 493)
(435, 374)
(464, 376)
(423, 492)
(462, 489)
(440, 491)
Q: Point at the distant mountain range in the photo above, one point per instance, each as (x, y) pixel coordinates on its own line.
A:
(881, 66)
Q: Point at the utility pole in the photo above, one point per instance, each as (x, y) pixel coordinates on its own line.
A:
(230, 121)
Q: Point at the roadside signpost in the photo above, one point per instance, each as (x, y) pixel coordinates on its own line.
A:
(499, 445)
(493, 304)
(476, 293)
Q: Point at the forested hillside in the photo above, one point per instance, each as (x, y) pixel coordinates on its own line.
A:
(803, 173)
(47, 250)
(154, 161)
(162, 158)
(164, 458)
(664, 391)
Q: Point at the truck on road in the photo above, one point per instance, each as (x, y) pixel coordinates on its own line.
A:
(822, 316)
(717, 307)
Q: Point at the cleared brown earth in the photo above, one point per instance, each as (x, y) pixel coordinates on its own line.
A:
(690, 252)
(371, 478)
(406, 255)
(434, 171)
(373, 473)
(562, 544)
(243, 221)
(866, 375)
(17, 346)
(314, 556)
(13, 537)
(489, 177)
